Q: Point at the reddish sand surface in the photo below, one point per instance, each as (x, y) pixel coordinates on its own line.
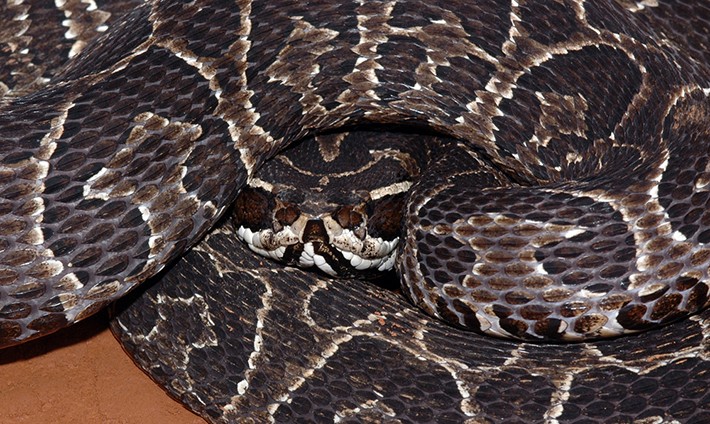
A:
(81, 375)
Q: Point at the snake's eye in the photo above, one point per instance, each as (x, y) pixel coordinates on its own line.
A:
(252, 208)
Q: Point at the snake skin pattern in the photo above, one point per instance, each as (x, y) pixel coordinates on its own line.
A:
(244, 342)
(572, 207)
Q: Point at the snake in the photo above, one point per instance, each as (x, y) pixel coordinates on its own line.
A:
(567, 203)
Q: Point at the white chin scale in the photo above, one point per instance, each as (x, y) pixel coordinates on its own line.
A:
(381, 263)
(359, 255)
(259, 242)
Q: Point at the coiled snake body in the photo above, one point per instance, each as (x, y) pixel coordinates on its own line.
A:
(572, 204)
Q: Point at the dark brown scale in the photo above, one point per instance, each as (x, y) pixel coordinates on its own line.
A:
(670, 270)
(87, 257)
(9, 331)
(52, 321)
(624, 255)
(502, 311)
(537, 282)
(108, 181)
(113, 266)
(548, 328)
(18, 258)
(511, 242)
(555, 267)
(76, 224)
(499, 257)
(161, 222)
(535, 312)
(556, 295)
(442, 276)
(43, 271)
(631, 316)
(132, 218)
(16, 158)
(453, 292)
(685, 283)
(103, 290)
(464, 309)
(71, 195)
(8, 276)
(655, 294)
(700, 257)
(589, 323)
(613, 272)
(659, 243)
(665, 306)
(443, 305)
(520, 298)
(486, 270)
(614, 302)
(71, 161)
(518, 270)
(574, 309)
(57, 305)
(587, 236)
(16, 191)
(515, 327)
(123, 241)
(576, 278)
(164, 201)
(483, 296)
(15, 310)
(698, 296)
(13, 227)
(600, 288)
(181, 229)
